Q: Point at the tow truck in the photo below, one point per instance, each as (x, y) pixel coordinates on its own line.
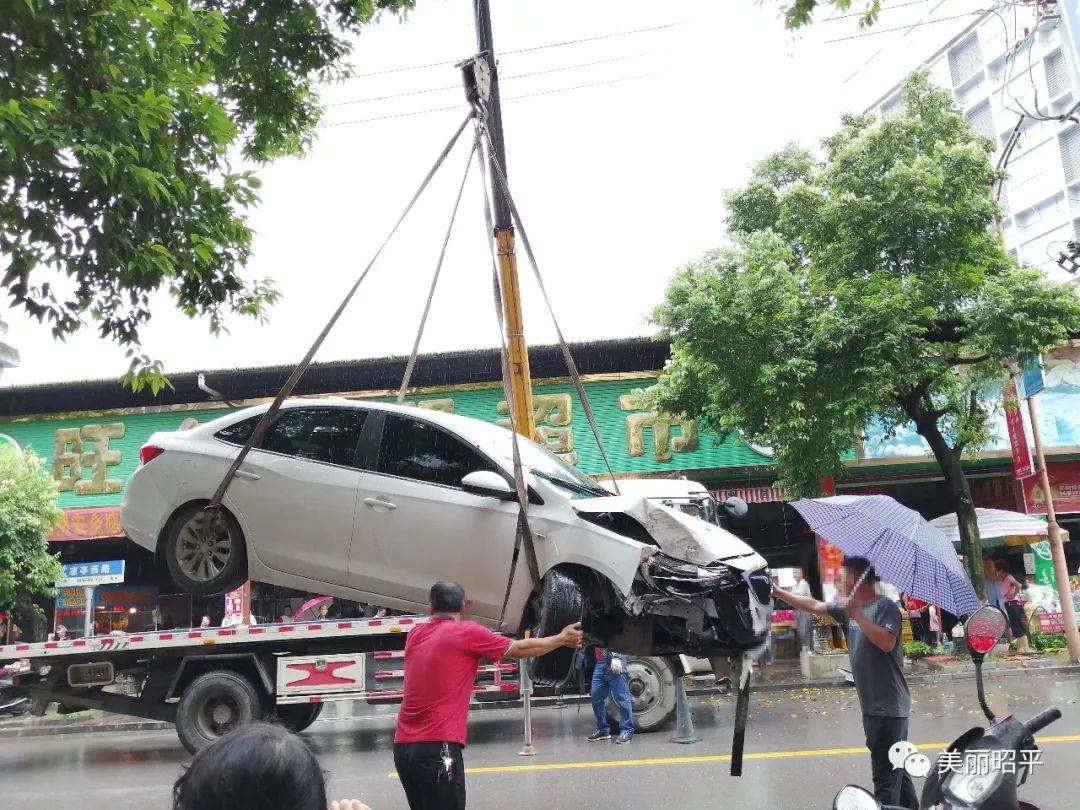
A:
(208, 680)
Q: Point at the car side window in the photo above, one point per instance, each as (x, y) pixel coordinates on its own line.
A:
(329, 435)
(412, 449)
(238, 433)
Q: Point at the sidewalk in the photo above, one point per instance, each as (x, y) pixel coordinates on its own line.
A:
(778, 676)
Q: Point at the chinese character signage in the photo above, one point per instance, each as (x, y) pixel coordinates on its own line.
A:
(1064, 486)
(87, 575)
(1031, 376)
(1014, 420)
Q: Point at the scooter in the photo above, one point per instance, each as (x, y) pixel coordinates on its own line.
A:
(982, 768)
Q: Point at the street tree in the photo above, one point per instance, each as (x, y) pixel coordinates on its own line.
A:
(798, 13)
(28, 511)
(863, 291)
(117, 120)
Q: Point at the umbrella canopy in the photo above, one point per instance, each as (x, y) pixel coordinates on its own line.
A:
(998, 527)
(903, 548)
(312, 605)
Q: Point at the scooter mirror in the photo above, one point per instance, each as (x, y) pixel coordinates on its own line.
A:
(984, 630)
(853, 797)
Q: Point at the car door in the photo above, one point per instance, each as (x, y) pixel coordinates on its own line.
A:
(416, 526)
(295, 494)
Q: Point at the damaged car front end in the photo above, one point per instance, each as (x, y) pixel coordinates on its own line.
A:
(699, 589)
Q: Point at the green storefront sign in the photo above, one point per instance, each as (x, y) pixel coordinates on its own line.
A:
(92, 456)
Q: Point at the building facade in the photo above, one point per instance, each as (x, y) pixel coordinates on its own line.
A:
(1015, 72)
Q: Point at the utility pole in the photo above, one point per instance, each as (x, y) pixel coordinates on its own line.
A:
(520, 375)
(1057, 551)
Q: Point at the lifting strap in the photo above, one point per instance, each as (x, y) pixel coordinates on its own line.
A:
(523, 536)
(742, 710)
(287, 389)
(571, 366)
(435, 278)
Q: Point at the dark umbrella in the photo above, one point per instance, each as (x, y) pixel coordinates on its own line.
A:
(903, 548)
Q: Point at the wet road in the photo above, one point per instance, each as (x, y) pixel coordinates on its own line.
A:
(801, 747)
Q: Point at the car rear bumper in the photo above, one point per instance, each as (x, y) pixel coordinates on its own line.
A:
(143, 511)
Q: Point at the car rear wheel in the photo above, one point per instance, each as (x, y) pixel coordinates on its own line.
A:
(558, 604)
(204, 550)
(213, 705)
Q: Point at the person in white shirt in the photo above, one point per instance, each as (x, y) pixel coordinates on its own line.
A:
(803, 622)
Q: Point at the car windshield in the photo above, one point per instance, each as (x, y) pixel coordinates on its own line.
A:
(545, 464)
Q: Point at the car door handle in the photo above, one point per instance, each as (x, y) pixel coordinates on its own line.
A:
(247, 475)
(379, 503)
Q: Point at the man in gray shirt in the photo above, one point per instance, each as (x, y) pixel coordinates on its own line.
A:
(872, 626)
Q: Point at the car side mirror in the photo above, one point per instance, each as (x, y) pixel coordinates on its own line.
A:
(487, 484)
(735, 507)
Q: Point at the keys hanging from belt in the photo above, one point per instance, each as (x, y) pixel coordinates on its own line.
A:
(447, 763)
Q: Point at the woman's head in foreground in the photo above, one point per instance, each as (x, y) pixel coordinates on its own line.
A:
(258, 766)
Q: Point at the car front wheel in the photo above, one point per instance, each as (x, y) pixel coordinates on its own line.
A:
(558, 604)
(204, 550)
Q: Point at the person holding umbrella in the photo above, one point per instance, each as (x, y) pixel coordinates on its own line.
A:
(871, 625)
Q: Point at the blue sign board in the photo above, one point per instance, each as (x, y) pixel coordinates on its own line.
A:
(88, 575)
(1031, 377)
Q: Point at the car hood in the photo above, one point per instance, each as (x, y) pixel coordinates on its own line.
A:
(677, 534)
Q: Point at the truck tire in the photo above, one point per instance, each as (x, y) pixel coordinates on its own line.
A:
(558, 604)
(204, 550)
(652, 693)
(214, 704)
(298, 716)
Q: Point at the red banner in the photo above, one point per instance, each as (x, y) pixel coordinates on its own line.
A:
(1050, 622)
(87, 524)
(1064, 486)
(1021, 453)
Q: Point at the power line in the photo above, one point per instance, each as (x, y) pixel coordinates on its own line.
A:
(545, 46)
(505, 98)
(501, 79)
(878, 31)
(884, 9)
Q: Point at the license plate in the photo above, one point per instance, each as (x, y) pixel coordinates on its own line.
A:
(90, 674)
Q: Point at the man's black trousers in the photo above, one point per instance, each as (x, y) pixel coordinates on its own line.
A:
(891, 786)
(420, 769)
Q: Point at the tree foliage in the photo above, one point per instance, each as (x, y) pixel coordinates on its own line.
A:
(798, 13)
(116, 121)
(28, 511)
(865, 288)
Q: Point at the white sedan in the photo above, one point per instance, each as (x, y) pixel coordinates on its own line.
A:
(375, 502)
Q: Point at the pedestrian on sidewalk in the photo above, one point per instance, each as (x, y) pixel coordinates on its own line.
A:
(610, 678)
(803, 622)
(872, 628)
(919, 617)
(441, 657)
(1011, 593)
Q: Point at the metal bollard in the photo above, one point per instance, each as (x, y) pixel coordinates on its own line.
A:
(526, 699)
(684, 722)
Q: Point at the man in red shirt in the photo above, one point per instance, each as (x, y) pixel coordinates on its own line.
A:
(441, 657)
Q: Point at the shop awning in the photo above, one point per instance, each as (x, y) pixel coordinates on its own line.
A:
(87, 524)
(751, 494)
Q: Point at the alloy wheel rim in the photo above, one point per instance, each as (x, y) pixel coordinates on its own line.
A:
(204, 546)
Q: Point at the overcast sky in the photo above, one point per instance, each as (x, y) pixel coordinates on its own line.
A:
(618, 183)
